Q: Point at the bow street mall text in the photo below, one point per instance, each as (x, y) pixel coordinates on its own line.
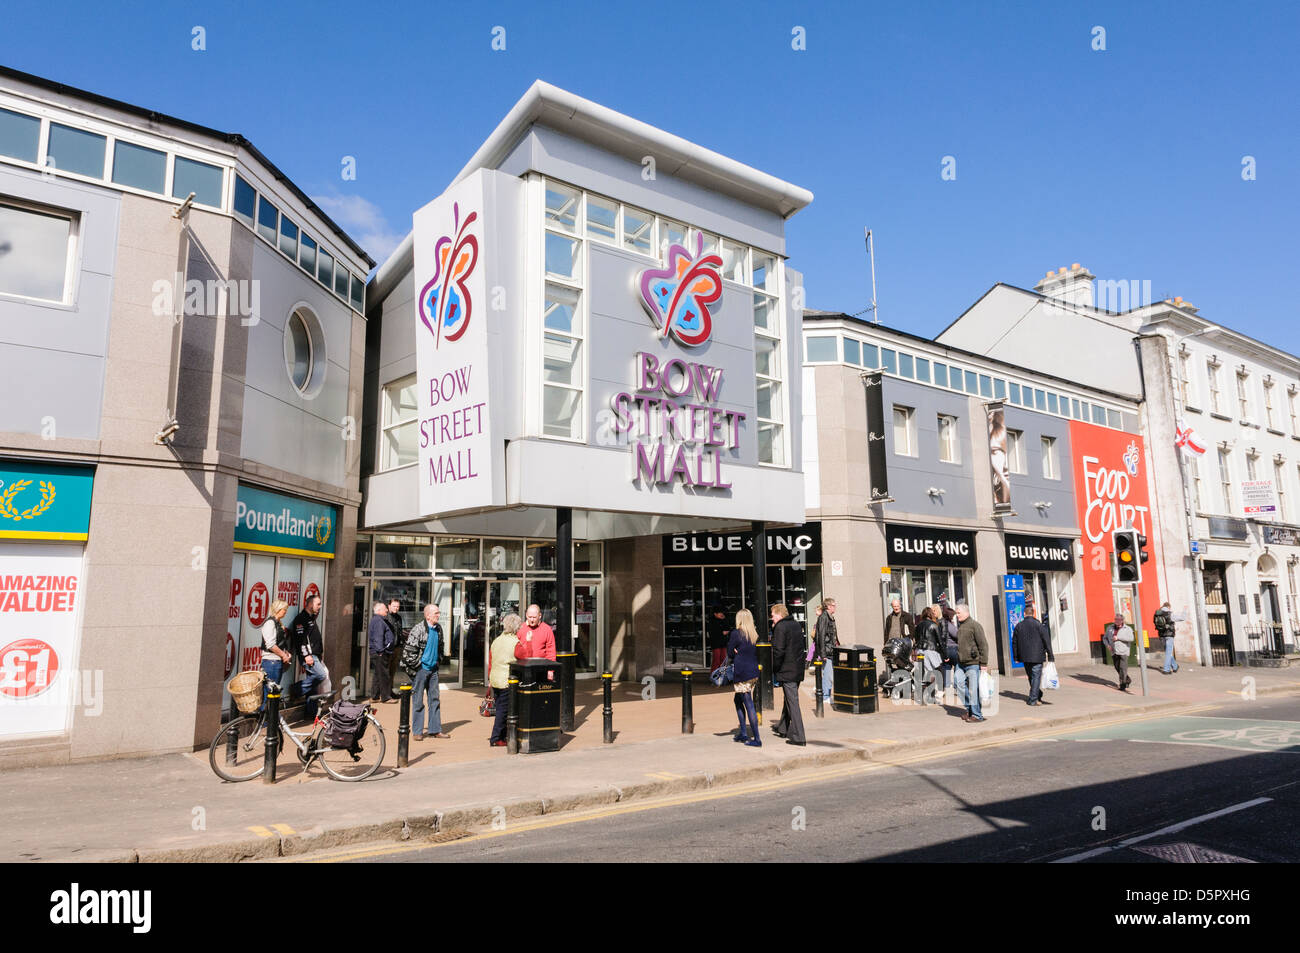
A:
(450, 427)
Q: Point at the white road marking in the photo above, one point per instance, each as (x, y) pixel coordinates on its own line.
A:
(1171, 829)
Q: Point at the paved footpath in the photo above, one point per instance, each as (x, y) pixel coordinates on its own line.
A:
(174, 808)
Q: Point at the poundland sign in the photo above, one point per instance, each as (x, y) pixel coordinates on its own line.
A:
(269, 522)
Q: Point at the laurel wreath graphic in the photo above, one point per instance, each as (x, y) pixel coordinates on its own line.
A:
(9, 511)
(323, 530)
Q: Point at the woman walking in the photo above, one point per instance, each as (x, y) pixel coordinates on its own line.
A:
(743, 655)
(500, 654)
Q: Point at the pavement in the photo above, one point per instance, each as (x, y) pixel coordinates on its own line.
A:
(173, 808)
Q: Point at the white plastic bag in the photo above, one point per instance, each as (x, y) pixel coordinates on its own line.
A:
(986, 687)
(1051, 679)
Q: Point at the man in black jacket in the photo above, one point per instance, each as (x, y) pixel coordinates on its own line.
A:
(1033, 644)
(788, 657)
(898, 624)
(308, 646)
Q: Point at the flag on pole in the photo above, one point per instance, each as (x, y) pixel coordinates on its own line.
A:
(1187, 440)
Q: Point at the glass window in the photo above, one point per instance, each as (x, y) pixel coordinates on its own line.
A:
(587, 557)
(955, 378)
(769, 400)
(670, 233)
(363, 552)
(561, 407)
(1000, 389)
(457, 554)
(765, 313)
(20, 136)
(297, 351)
(1015, 392)
(638, 230)
(562, 207)
(733, 261)
(198, 177)
(401, 411)
(307, 253)
(889, 360)
(324, 267)
(341, 277)
(561, 311)
(904, 440)
(72, 150)
(922, 370)
(540, 556)
(357, 298)
(852, 351)
(403, 554)
(503, 555)
(764, 271)
(563, 257)
(1016, 451)
(771, 443)
(562, 360)
(941, 374)
(1114, 420)
(870, 356)
(35, 248)
(948, 447)
(1098, 415)
(905, 366)
(245, 203)
(710, 246)
(1065, 406)
(138, 167)
(986, 386)
(1040, 399)
(1052, 406)
(268, 219)
(602, 220)
(1051, 471)
(819, 349)
(1077, 414)
(972, 382)
(288, 238)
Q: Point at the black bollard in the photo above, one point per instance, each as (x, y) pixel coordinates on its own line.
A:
(765, 699)
(272, 733)
(608, 684)
(404, 725)
(820, 666)
(568, 667)
(512, 716)
(688, 716)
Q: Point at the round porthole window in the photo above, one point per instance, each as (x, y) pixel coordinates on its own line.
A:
(304, 351)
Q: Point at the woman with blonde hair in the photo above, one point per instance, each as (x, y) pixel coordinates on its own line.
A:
(742, 652)
(275, 646)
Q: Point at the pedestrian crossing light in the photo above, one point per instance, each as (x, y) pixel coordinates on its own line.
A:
(1129, 555)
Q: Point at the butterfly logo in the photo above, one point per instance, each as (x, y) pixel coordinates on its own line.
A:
(1131, 457)
(445, 303)
(677, 297)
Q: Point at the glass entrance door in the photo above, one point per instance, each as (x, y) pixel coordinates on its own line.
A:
(503, 600)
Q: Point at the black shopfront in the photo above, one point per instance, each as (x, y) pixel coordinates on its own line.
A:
(709, 572)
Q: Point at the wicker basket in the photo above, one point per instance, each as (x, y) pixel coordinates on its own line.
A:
(246, 689)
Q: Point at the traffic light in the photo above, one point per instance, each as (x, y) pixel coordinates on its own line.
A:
(1128, 555)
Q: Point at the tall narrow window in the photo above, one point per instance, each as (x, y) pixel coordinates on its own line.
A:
(1279, 481)
(563, 367)
(1194, 467)
(1016, 451)
(1293, 404)
(1269, 415)
(401, 414)
(1252, 466)
(1243, 394)
(1185, 379)
(769, 372)
(904, 432)
(949, 449)
(1225, 479)
(1051, 467)
(1212, 380)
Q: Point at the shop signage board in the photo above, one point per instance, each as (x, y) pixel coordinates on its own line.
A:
(1000, 473)
(42, 501)
(461, 258)
(784, 547)
(1281, 536)
(1111, 491)
(909, 545)
(1011, 589)
(1226, 527)
(1258, 498)
(877, 453)
(268, 522)
(1039, 553)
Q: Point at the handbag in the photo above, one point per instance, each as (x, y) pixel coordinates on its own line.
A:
(488, 706)
(724, 674)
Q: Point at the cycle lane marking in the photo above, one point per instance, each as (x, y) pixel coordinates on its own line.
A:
(1234, 733)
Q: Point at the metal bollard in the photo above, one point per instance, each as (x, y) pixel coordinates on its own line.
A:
(404, 725)
(688, 716)
(272, 733)
(512, 716)
(568, 667)
(766, 699)
(607, 681)
(819, 711)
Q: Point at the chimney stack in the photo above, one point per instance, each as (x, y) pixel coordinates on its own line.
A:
(1073, 285)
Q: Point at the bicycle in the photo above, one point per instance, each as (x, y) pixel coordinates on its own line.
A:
(238, 752)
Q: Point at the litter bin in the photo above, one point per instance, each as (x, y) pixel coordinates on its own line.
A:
(538, 704)
(854, 683)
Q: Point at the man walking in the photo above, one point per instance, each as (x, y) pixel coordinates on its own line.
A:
(825, 638)
(1119, 639)
(1164, 622)
(788, 659)
(536, 638)
(898, 624)
(973, 656)
(379, 639)
(420, 661)
(1033, 643)
(308, 645)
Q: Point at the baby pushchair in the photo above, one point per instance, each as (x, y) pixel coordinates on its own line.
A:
(903, 664)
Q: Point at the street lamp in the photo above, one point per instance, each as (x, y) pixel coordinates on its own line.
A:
(1198, 584)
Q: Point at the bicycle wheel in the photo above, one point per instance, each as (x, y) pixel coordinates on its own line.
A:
(238, 752)
(342, 765)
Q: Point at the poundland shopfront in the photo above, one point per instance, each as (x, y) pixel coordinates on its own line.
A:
(567, 359)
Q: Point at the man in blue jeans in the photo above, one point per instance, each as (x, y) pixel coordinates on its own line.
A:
(973, 656)
(1164, 622)
(424, 642)
(1033, 645)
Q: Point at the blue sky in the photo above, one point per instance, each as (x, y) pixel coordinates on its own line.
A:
(1128, 160)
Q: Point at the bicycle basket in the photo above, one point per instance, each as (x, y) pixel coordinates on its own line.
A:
(246, 689)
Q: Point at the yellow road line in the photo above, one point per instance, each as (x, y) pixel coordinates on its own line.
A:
(284, 829)
(262, 831)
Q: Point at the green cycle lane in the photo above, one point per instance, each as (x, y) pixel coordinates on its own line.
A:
(1241, 734)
